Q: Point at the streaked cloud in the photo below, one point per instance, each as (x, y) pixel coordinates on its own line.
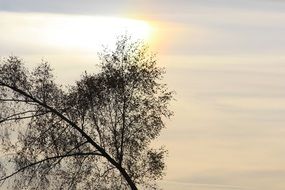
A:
(224, 58)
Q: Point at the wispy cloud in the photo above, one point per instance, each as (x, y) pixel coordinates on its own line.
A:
(202, 186)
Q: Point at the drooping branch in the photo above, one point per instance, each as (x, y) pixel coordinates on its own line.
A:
(15, 117)
(50, 158)
(13, 100)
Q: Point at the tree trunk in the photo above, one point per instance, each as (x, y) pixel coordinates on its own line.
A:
(122, 171)
(127, 178)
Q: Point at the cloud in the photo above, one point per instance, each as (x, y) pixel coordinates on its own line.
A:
(63, 6)
(170, 185)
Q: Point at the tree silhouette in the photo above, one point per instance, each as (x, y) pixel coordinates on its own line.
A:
(93, 135)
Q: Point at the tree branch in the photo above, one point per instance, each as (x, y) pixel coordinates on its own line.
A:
(15, 118)
(14, 100)
(51, 158)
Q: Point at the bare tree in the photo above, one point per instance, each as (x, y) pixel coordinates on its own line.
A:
(93, 135)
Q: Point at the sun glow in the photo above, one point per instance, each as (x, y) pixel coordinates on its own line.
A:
(85, 32)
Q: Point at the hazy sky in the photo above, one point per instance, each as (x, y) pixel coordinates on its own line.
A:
(224, 58)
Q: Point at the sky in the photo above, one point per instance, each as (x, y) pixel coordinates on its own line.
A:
(225, 60)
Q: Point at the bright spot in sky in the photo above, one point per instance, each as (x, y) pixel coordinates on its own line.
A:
(89, 33)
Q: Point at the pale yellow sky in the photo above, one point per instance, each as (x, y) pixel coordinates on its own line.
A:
(225, 59)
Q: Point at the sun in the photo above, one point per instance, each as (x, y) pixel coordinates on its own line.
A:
(89, 33)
